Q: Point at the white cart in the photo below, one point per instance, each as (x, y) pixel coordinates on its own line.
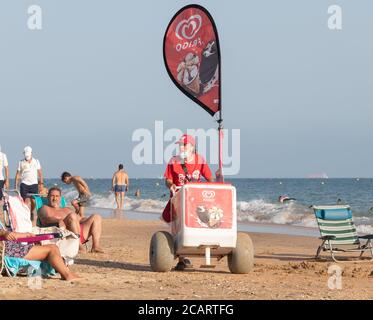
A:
(204, 223)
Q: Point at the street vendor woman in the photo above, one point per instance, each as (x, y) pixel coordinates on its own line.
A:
(186, 167)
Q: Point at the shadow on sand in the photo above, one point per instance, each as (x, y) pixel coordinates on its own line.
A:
(113, 265)
(311, 258)
(138, 267)
(289, 257)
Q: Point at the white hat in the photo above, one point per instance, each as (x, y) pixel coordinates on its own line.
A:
(27, 151)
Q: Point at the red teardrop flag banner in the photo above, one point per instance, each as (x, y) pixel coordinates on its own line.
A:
(191, 54)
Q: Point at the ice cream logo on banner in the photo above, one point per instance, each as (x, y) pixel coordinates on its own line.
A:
(191, 54)
(189, 28)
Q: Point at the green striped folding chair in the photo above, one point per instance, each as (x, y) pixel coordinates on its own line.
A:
(338, 232)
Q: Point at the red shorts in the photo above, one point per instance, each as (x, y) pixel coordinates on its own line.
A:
(82, 239)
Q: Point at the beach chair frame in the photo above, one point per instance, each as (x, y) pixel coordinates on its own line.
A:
(356, 244)
(6, 224)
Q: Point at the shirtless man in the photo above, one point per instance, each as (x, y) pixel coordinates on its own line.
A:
(83, 189)
(120, 185)
(52, 214)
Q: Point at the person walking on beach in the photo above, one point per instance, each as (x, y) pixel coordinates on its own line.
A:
(28, 172)
(4, 174)
(81, 186)
(186, 167)
(120, 184)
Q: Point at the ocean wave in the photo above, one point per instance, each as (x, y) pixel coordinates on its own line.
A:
(107, 201)
(261, 211)
(289, 214)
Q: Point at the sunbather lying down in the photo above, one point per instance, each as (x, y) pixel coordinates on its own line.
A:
(30, 251)
(65, 217)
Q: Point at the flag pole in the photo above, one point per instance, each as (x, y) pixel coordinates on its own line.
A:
(220, 132)
(221, 178)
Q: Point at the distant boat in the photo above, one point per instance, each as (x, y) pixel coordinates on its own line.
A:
(318, 176)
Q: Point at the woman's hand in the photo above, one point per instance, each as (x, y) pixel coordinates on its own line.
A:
(11, 236)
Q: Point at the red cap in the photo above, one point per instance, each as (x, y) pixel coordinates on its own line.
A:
(186, 138)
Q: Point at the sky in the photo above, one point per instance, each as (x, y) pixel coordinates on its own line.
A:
(300, 93)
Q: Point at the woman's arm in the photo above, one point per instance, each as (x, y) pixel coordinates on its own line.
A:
(13, 236)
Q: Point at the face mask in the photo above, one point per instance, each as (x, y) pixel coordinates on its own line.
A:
(184, 155)
(28, 157)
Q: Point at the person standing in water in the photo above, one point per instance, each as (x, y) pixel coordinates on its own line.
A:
(120, 183)
(81, 186)
(137, 193)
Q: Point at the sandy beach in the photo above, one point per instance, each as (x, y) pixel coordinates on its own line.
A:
(284, 269)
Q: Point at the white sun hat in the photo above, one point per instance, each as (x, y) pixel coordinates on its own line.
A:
(27, 151)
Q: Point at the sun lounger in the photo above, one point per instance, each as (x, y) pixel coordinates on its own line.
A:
(16, 217)
(14, 266)
(338, 232)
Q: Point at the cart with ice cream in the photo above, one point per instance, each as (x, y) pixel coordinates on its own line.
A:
(203, 224)
(203, 219)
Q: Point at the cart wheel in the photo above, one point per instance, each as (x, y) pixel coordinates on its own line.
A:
(161, 253)
(241, 259)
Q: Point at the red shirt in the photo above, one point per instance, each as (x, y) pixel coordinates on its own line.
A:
(196, 169)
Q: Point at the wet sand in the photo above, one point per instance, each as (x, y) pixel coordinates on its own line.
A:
(284, 269)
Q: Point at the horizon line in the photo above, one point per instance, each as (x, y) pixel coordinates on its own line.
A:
(227, 177)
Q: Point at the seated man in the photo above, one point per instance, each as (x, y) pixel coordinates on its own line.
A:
(53, 214)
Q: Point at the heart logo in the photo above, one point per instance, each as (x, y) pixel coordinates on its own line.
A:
(208, 194)
(187, 29)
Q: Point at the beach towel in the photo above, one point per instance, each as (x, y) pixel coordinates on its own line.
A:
(68, 244)
(29, 267)
(19, 214)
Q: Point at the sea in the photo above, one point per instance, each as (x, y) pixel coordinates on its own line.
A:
(257, 199)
